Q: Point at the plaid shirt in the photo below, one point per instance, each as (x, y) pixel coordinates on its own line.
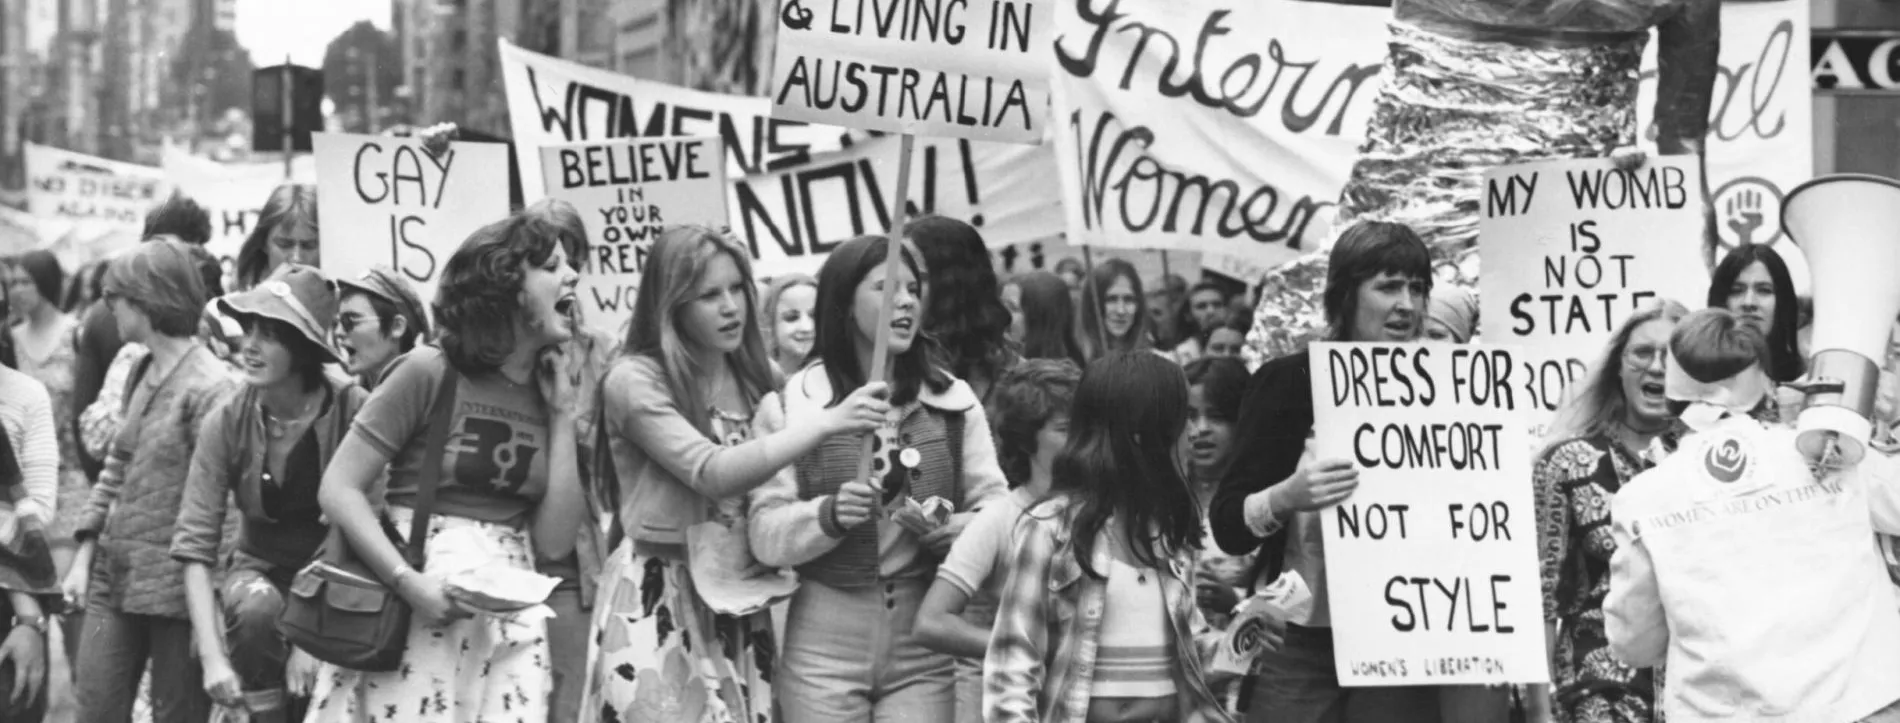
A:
(1041, 660)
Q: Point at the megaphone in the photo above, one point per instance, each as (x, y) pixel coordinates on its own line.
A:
(1844, 224)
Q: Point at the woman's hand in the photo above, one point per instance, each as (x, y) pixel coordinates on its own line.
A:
(939, 540)
(25, 647)
(555, 376)
(431, 600)
(221, 682)
(77, 581)
(1214, 598)
(864, 410)
(1319, 484)
(300, 673)
(854, 503)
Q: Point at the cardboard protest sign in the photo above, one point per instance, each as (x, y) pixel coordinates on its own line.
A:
(952, 68)
(628, 192)
(1431, 565)
(388, 202)
(232, 193)
(1571, 249)
(797, 189)
(90, 191)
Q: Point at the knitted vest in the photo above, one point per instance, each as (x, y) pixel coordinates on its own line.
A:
(937, 436)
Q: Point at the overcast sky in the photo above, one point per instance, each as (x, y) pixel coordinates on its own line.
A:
(301, 28)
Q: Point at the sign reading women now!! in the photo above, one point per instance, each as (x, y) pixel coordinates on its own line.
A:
(1431, 568)
(975, 69)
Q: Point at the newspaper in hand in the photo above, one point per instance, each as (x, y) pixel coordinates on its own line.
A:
(1268, 609)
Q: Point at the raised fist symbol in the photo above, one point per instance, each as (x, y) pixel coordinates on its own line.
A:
(1744, 215)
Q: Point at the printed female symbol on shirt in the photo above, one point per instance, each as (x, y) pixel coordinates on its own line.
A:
(484, 455)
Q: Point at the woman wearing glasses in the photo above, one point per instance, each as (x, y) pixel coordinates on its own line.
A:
(379, 318)
(1597, 442)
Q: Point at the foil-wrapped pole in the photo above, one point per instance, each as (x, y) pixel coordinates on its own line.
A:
(1450, 109)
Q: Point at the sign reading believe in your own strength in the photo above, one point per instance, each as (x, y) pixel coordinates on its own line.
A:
(1571, 249)
(1431, 564)
(627, 192)
(389, 202)
(958, 68)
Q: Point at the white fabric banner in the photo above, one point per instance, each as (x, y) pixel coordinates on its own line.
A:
(232, 193)
(88, 206)
(1236, 125)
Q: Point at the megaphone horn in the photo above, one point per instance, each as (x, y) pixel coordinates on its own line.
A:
(1844, 224)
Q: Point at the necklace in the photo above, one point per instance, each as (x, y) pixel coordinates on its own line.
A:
(277, 427)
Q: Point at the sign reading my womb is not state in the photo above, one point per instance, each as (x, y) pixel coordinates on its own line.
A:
(627, 192)
(1431, 564)
(389, 202)
(974, 69)
(1572, 248)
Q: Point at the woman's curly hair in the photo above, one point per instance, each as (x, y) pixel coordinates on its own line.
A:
(479, 296)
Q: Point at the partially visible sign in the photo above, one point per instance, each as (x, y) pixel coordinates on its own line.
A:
(232, 193)
(627, 192)
(1571, 249)
(89, 190)
(389, 202)
(977, 70)
(1855, 61)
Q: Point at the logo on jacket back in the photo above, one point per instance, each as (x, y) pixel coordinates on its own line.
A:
(1726, 461)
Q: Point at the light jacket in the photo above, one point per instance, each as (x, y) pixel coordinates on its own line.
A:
(1041, 660)
(1758, 583)
(791, 524)
(229, 460)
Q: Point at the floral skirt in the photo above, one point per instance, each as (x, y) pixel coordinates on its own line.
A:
(658, 655)
(483, 668)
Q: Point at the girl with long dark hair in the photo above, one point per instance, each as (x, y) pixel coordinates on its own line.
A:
(1044, 316)
(1753, 282)
(963, 307)
(677, 408)
(508, 490)
(1115, 314)
(1098, 618)
(865, 557)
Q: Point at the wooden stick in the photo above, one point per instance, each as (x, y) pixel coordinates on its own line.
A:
(1095, 305)
(893, 263)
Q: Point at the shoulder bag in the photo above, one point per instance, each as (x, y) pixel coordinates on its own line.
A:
(338, 610)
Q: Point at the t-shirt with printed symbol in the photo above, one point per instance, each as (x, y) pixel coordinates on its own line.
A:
(494, 464)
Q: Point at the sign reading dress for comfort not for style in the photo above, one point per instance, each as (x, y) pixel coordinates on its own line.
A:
(1431, 564)
(973, 69)
(627, 193)
(389, 202)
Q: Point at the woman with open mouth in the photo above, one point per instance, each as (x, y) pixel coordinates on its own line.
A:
(866, 550)
(266, 445)
(677, 409)
(379, 318)
(1599, 439)
(501, 377)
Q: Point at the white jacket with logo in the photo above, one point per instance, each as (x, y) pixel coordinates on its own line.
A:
(1760, 586)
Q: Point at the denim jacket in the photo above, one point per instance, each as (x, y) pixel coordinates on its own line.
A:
(1041, 660)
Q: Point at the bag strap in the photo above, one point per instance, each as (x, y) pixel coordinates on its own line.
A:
(953, 429)
(606, 480)
(443, 411)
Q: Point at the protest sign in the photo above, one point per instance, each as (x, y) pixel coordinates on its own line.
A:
(1230, 126)
(1431, 565)
(91, 192)
(627, 192)
(947, 68)
(1571, 248)
(389, 202)
(233, 194)
(797, 189)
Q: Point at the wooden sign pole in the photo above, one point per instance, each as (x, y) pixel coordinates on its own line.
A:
(893, 265)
